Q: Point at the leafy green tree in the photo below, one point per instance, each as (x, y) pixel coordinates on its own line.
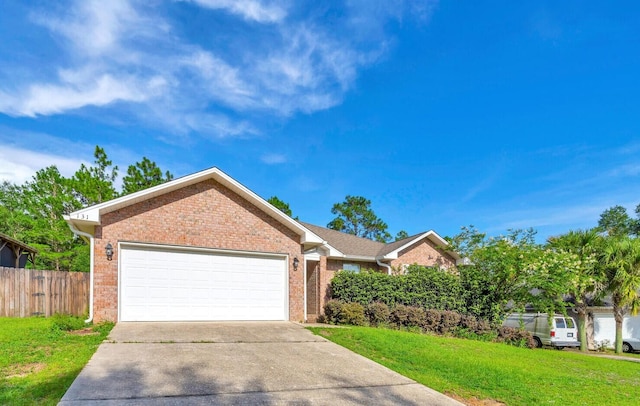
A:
(589, 281)
(81, 259)
(47, 198)
(467, 241)
(280, 205)
(615, 221)
(14, 220)
(94, 184)
(401, 235)
(621, 260)
(355, 216)
(507, 273)
(143, 175)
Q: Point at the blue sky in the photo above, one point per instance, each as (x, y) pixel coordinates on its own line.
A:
(500, 114)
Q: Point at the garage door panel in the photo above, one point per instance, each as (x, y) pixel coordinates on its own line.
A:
(175, 285)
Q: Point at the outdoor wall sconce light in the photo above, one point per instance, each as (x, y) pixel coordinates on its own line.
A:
(296, 262)
(108, 250)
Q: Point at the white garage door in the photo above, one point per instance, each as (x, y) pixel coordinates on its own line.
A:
(180, 285)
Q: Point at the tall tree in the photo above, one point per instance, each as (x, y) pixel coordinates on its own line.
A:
(94, 184)
(355, 216)
(14, 220)
(280, 205)
(401, 235)
(589, 280)
(621, 259)
(143, 175)
(615, 221)
(47, 198)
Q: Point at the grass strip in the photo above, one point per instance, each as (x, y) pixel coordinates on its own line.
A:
(474, 369)
(39, 361)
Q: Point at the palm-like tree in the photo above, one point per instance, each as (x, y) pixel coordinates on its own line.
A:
(621, 259)
(589, 280)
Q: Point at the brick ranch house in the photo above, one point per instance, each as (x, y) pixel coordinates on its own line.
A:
(204, 247)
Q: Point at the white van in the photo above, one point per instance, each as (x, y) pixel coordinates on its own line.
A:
(561, 333)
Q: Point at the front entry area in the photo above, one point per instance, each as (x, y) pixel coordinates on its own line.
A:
(159, 283)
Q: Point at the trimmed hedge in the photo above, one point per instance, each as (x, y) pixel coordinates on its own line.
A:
(429, 288)
(417, 318)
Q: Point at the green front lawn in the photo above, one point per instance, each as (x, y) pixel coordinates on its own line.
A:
(38, 362)
(516, 376)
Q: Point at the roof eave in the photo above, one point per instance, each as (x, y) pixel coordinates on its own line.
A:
(18, 243)
(432, 236)
(92, 216)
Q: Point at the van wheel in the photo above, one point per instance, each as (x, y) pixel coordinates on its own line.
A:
(559, 348)
(538, 342)
(626, 347)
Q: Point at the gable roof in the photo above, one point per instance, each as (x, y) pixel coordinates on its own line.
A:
(347, 244)
(355, 247)
(391, 250)
(85, 219)
(6, 240)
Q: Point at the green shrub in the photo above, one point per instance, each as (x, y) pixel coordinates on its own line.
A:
(353, 314)
(377, 313)
(333, 311)
(432, 320)
(483, 327)
(428, 288)
(399, 316)
(468, 322)
(450, 320)
(416, 317)
(66, 322)
(515, 336)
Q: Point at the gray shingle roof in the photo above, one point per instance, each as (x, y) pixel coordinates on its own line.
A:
(397, 244)
(346, 243)
(351, 245)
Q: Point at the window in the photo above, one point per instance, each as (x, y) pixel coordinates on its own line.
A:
(351, 267)
(560, 322)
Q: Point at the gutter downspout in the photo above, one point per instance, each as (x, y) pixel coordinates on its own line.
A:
(384, 266)
(85, 237)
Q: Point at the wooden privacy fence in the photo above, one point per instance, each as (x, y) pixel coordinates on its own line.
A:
(26, 292)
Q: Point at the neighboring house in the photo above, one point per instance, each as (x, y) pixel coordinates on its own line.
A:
(15, 254)
(204, 247)
(601, 327)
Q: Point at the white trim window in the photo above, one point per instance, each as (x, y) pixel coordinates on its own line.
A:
(355, 268)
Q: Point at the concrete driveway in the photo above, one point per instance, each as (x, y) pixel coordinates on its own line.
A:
(265, 363)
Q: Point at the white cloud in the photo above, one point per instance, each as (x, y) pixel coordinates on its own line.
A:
(220, 80)
(273, 159)
(46, 99)
(130, 56)
(248, 9)
(218, 124)
(94, 27)
(18, 165)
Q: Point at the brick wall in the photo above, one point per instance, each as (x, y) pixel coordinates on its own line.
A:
(206, 214)
(425, 253)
